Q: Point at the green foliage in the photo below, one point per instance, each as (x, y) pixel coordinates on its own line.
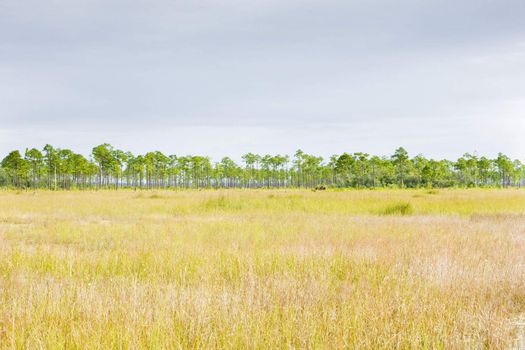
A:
(17, 169)
(4, 178)
(109, 167)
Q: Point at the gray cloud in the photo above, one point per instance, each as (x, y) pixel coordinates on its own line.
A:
(441, 76)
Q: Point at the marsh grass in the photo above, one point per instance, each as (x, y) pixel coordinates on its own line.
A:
(262, 269)
(403, 208)
(223, 203)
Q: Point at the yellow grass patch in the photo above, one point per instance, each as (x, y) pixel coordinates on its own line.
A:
(262, 269)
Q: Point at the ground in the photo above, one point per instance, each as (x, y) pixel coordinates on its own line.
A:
(262, 269)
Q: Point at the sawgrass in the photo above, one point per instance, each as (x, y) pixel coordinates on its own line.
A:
(262, 269)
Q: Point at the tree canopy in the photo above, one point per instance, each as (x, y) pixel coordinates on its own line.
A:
(108, 167)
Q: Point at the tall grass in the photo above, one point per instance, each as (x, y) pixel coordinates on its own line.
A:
(402, 208)
(262, 269)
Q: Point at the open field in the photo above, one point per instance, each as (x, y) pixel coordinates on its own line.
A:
(262, 269)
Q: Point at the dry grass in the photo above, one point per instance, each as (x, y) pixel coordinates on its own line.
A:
(262, 269)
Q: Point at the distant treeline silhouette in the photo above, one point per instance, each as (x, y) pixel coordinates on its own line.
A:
(107, 167)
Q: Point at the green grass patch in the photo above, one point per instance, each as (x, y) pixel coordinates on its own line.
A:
(401, 208)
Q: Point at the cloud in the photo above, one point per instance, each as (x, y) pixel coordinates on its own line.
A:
(343, 74)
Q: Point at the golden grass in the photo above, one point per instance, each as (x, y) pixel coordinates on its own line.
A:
(262, 269)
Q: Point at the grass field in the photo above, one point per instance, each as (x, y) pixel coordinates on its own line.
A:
(262, 269)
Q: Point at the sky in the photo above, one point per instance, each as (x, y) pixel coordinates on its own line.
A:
(227, 77)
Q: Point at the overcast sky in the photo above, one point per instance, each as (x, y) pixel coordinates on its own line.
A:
(226, 77)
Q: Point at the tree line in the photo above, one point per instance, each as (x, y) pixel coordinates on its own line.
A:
(108, 167)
